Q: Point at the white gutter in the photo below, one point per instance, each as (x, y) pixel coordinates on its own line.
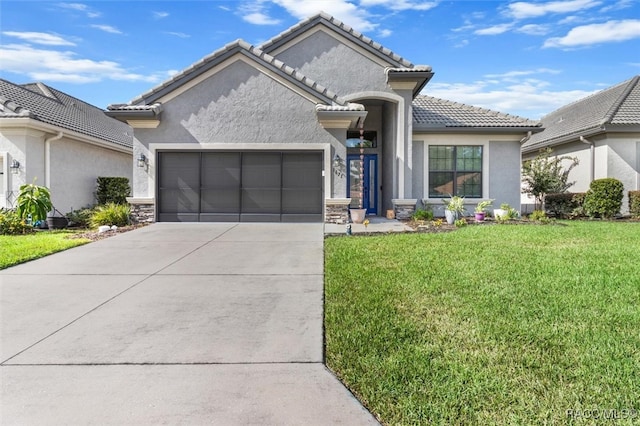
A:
(47, 158)
(592, 171)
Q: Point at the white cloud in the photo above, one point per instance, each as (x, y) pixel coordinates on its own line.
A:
(495, 30)
(522, 73)
(51, 65)
(400, 4)
(384, 33)
(106, 28)
(39, 38)
(534, 29)
(342, 10)
(259, 18)
(160, 15)
(607, 32)
(177, 34)
(619, 5)
(80, 7)
(524, 10)
(462, 43)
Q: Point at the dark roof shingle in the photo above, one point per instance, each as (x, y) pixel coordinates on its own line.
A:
(616, 105)
(48, 105)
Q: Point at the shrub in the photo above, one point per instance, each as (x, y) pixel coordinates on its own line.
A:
(112, 190)
(421, 214)
(80, 218)
(12, 224)
(110, 214)
(564, 204)
(604, 198)
(459, 223)
(634, 203)
(33, 200)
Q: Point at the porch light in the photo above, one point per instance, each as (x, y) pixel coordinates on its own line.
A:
(142, 160)
(337, 161)
(15, 167)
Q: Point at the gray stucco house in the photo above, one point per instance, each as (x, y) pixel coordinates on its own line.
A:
(271, 133)
(61, 142)
(602, 131)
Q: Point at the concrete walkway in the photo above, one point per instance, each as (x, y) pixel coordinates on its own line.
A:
(172, 324)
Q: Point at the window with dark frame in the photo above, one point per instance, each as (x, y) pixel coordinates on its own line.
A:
(370, 139)
(455, 170)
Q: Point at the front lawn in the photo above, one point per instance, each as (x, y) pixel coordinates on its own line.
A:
(500, 324)
(15, 249)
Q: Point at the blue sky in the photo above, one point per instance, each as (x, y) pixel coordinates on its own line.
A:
(525, 58)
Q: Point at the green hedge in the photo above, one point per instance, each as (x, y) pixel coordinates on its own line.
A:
(112, 190)
(634, 203)
(604, 198)
(564, 205)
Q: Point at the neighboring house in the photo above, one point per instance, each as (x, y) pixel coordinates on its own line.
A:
(270, 133)
(602, 131)
(60, 142)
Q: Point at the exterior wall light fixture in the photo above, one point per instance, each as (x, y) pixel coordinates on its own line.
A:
(15, 167)
(142, 160)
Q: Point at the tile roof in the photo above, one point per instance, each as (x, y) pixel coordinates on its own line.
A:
(341, 27)
(617, 105)
(434, 113)
(48, 105)
(238, 46)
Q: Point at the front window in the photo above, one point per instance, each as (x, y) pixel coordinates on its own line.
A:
(455, 170)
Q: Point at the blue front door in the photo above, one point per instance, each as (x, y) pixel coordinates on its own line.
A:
(369, 173)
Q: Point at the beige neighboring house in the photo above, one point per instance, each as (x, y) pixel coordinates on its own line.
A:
(602, 131)
(61, 142)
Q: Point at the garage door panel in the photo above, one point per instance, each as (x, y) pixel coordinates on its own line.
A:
(302, 170)
(221, 170)
(301, 201)
(219, 217)
(261, 170)
(181, 200)
(220, 200)
(261, 200)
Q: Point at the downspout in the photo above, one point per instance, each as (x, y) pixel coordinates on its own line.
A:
(47, 158)
(526, 138)
(592, 172)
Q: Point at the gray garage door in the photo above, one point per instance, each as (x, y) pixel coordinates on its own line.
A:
(240, 186)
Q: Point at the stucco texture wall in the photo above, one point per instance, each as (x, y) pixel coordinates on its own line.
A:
(501, 167)
(334, 64)
(75, 166)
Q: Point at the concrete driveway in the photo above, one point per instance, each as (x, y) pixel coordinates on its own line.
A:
(172, 324)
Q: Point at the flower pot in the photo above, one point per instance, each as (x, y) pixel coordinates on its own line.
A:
(450, 216)
(357, 215)
(479, 216)
(498, 213)
(55, 222)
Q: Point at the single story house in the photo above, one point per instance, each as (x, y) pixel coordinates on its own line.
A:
(602, 131)
(315, 120)
(59, 142)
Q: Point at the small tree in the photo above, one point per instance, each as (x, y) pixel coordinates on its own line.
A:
(546, 175)
(34, 200)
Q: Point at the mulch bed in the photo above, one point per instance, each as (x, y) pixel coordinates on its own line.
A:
(94, 235)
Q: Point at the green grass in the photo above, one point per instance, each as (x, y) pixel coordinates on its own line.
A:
(488, 324)
(15, 249)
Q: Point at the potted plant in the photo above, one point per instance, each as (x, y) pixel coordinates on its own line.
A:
(33, 203)
(481, 209)
(454, 208)
(502, 212)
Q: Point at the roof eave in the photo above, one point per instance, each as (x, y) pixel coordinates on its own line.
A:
(422, 128)
(420, 78)
(31, 123)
